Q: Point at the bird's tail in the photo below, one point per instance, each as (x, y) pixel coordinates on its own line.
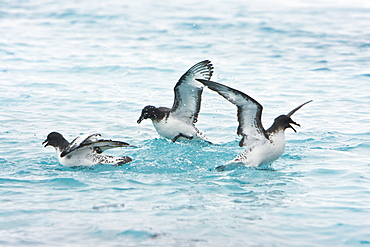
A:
(107, 159)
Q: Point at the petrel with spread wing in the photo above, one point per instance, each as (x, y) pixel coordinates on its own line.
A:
(85, 150)
(262, 147)
(177, 123)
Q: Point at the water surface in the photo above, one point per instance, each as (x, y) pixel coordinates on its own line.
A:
(89, 67)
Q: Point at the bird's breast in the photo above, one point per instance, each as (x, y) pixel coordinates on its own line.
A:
(171, 127)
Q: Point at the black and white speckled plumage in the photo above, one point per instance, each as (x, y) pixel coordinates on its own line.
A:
(85, 150)
(262, 147)
(178, 122)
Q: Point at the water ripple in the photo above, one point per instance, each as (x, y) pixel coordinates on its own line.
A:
(81, 68)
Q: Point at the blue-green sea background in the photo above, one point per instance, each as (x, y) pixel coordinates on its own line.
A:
(81, 67)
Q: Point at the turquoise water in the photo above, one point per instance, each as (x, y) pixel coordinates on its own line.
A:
(89, 67)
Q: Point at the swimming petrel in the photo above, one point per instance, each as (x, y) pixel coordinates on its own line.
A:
(177, 123)
(262, 147)
(85, 150)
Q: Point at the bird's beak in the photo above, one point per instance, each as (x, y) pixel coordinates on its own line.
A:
(292, 122)
(45, 143)
(140, 119)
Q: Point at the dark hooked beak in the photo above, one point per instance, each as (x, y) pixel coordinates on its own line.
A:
(45, 143)
(140, 119)
(292, 122)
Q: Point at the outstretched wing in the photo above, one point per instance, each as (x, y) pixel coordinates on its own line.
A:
(188, 91)
(249, 112)
(297, 108)
(92, 141)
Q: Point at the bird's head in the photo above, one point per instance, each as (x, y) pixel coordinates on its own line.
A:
(148, 112)
(285, 122)
(54, 139)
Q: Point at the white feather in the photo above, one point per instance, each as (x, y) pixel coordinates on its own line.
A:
(262, 152)
(172, 126)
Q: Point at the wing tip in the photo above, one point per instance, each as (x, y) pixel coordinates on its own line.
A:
(203, 68)
(297, 108)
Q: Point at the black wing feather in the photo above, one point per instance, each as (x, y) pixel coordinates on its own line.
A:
(188, 91)
(91, 141)
(249, 110)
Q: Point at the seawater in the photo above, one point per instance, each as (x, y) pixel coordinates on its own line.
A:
(81, 67)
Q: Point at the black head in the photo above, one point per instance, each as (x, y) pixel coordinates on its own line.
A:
(148, 111)
(56, 140)
(284, 122)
